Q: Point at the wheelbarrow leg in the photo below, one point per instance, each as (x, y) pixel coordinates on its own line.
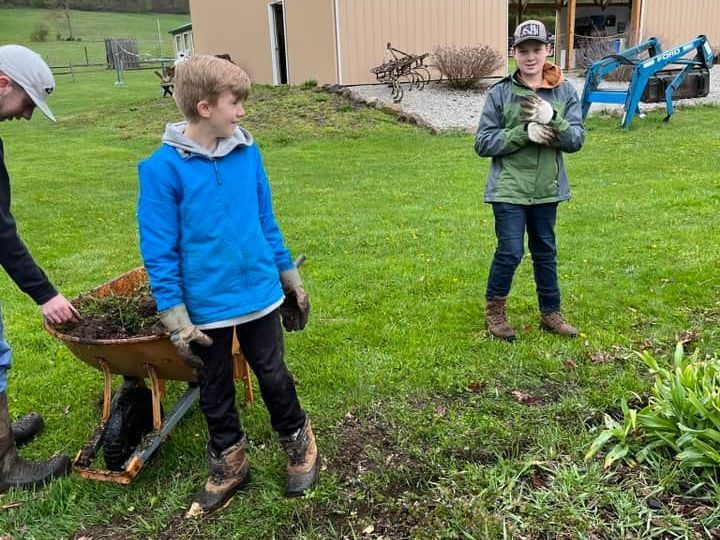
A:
(241, 370)
(158, 392)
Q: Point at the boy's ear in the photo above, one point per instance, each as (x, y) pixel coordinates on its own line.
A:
(203, 108)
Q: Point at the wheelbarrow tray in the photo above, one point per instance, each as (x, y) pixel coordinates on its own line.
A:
(128, 356)
(137, 358)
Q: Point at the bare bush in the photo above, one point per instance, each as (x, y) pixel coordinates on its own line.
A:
(40, 31)
(596, 48)
(463, 67)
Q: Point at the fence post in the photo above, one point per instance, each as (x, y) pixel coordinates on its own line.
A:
(72, 73)
(87, 62)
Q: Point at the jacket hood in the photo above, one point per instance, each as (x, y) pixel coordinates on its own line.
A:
(552, 76)
(175, 136)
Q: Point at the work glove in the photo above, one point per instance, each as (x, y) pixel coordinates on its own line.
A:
(296, 307)
(541, 134)
(535, 109)
(182, 333)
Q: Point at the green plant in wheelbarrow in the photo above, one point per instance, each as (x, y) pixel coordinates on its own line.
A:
(681, 420)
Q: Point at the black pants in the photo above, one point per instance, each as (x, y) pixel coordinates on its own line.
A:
(262, 344)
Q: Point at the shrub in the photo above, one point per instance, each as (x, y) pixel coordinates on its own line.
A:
(463, 67)
(596, 48)
(40, 31)
(309, 84)
(680, 422)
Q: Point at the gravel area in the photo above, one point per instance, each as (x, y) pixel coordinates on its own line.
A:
(447, 109)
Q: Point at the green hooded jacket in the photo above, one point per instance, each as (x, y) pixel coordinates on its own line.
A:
(523, 172)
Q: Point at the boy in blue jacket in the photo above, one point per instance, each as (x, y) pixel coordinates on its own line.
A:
(218, 264)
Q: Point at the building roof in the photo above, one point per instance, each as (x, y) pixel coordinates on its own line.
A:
(180, 29)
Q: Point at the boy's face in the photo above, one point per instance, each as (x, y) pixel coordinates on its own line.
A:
(530, 57)
(224, 115)
(14, 102)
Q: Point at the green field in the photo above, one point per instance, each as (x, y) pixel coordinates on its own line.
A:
(16, 25)
(428, 428)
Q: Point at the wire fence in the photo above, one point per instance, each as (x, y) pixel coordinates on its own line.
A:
(91, 54)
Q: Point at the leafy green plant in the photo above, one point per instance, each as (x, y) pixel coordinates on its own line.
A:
(682, 419)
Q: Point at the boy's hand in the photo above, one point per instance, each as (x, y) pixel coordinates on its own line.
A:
(535, 109)
(182, 333)
(541, 134)
(295, 310)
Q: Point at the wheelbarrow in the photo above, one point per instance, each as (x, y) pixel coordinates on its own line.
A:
(132, 424)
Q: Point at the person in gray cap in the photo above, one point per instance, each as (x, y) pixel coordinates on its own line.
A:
(25, 83)
(529, 120)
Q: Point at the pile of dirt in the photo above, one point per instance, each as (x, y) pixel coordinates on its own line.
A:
(116, 317)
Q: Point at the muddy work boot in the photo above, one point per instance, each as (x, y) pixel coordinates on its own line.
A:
(303, 460)
(554, 322)
(229, 472)
(26, 428)
(496, 320)
(18, 472)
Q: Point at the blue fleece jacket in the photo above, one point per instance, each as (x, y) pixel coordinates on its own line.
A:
(208, 235)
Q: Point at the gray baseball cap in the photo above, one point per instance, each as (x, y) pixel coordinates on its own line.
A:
(530, 31)
(29, 70)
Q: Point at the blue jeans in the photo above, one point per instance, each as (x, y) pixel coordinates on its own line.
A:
(511, 222)
(5, 356)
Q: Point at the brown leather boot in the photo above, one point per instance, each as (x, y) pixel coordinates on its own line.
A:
(554, 322)
(22, 473)
(496, 320)
(229, 471)
(303, 460)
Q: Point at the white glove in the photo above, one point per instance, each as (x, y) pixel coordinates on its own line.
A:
(541, 134)
(535, 109)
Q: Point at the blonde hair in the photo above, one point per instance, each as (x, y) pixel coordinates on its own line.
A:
(204, 77)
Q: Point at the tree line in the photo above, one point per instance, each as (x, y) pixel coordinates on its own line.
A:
(133, 6)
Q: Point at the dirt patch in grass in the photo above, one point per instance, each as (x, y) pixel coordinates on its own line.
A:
(385, 487)
(118, 528)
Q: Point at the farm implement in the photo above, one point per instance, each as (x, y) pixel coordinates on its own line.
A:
(660, 76)
(402, 67)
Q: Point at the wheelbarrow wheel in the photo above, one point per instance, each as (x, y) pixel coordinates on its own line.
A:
(129, 421)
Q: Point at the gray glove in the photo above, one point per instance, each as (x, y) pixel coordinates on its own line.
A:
(182, 333)
(541, 134)
(536, 109)
(295, 310)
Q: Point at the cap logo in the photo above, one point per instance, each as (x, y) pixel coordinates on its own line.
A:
(530, 30)
(49, 90)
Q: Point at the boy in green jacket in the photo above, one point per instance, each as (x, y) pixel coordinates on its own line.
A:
(530, 118)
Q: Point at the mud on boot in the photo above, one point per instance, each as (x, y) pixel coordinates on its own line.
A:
(555, 323)
(16, 472)
(303, 460)
(496, 319)
(229, 472)
(25, 429)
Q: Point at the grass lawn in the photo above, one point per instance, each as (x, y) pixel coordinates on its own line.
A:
(92, 28)
(428, 428)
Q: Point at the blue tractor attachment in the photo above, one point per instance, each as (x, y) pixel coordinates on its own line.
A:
(651, 81)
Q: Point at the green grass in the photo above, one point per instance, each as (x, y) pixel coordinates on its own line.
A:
(395, 367)
(16, 25)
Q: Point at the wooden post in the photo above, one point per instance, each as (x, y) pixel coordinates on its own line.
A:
(570, 55)
(635, 22)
